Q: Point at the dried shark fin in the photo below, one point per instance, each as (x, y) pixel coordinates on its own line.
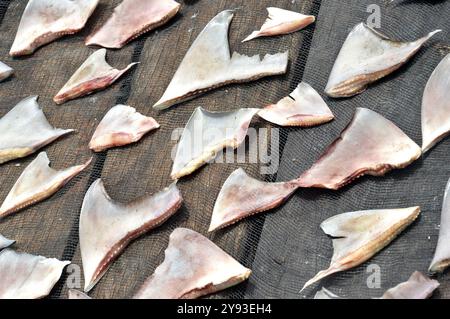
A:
(208, 65)
(122, 125)
(131, 19)
(358, 236)
(26, 276)
(76, 294)
(324, 293)
(242, 196)
(303, 107)
(107, 227)
(193, 267)
(5, 71)
(281, 21)
(25, 130)
(418, 286)
(366, 57)
(436, 106)
(44, 21)
(94, 74)
(441, 259)
(5, 242)
(370, 145)
(37, 182)
(206, 134)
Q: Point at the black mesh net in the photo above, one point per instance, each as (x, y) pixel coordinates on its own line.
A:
(284, 247)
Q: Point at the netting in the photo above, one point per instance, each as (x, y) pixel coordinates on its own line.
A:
(285, 247)
(282, 273)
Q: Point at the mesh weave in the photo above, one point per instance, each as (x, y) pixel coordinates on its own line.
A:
(284, 248)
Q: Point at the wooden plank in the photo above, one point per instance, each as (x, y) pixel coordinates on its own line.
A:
(144, 168)
(292, 248)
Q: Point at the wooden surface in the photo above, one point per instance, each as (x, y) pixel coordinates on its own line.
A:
(278, 245)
